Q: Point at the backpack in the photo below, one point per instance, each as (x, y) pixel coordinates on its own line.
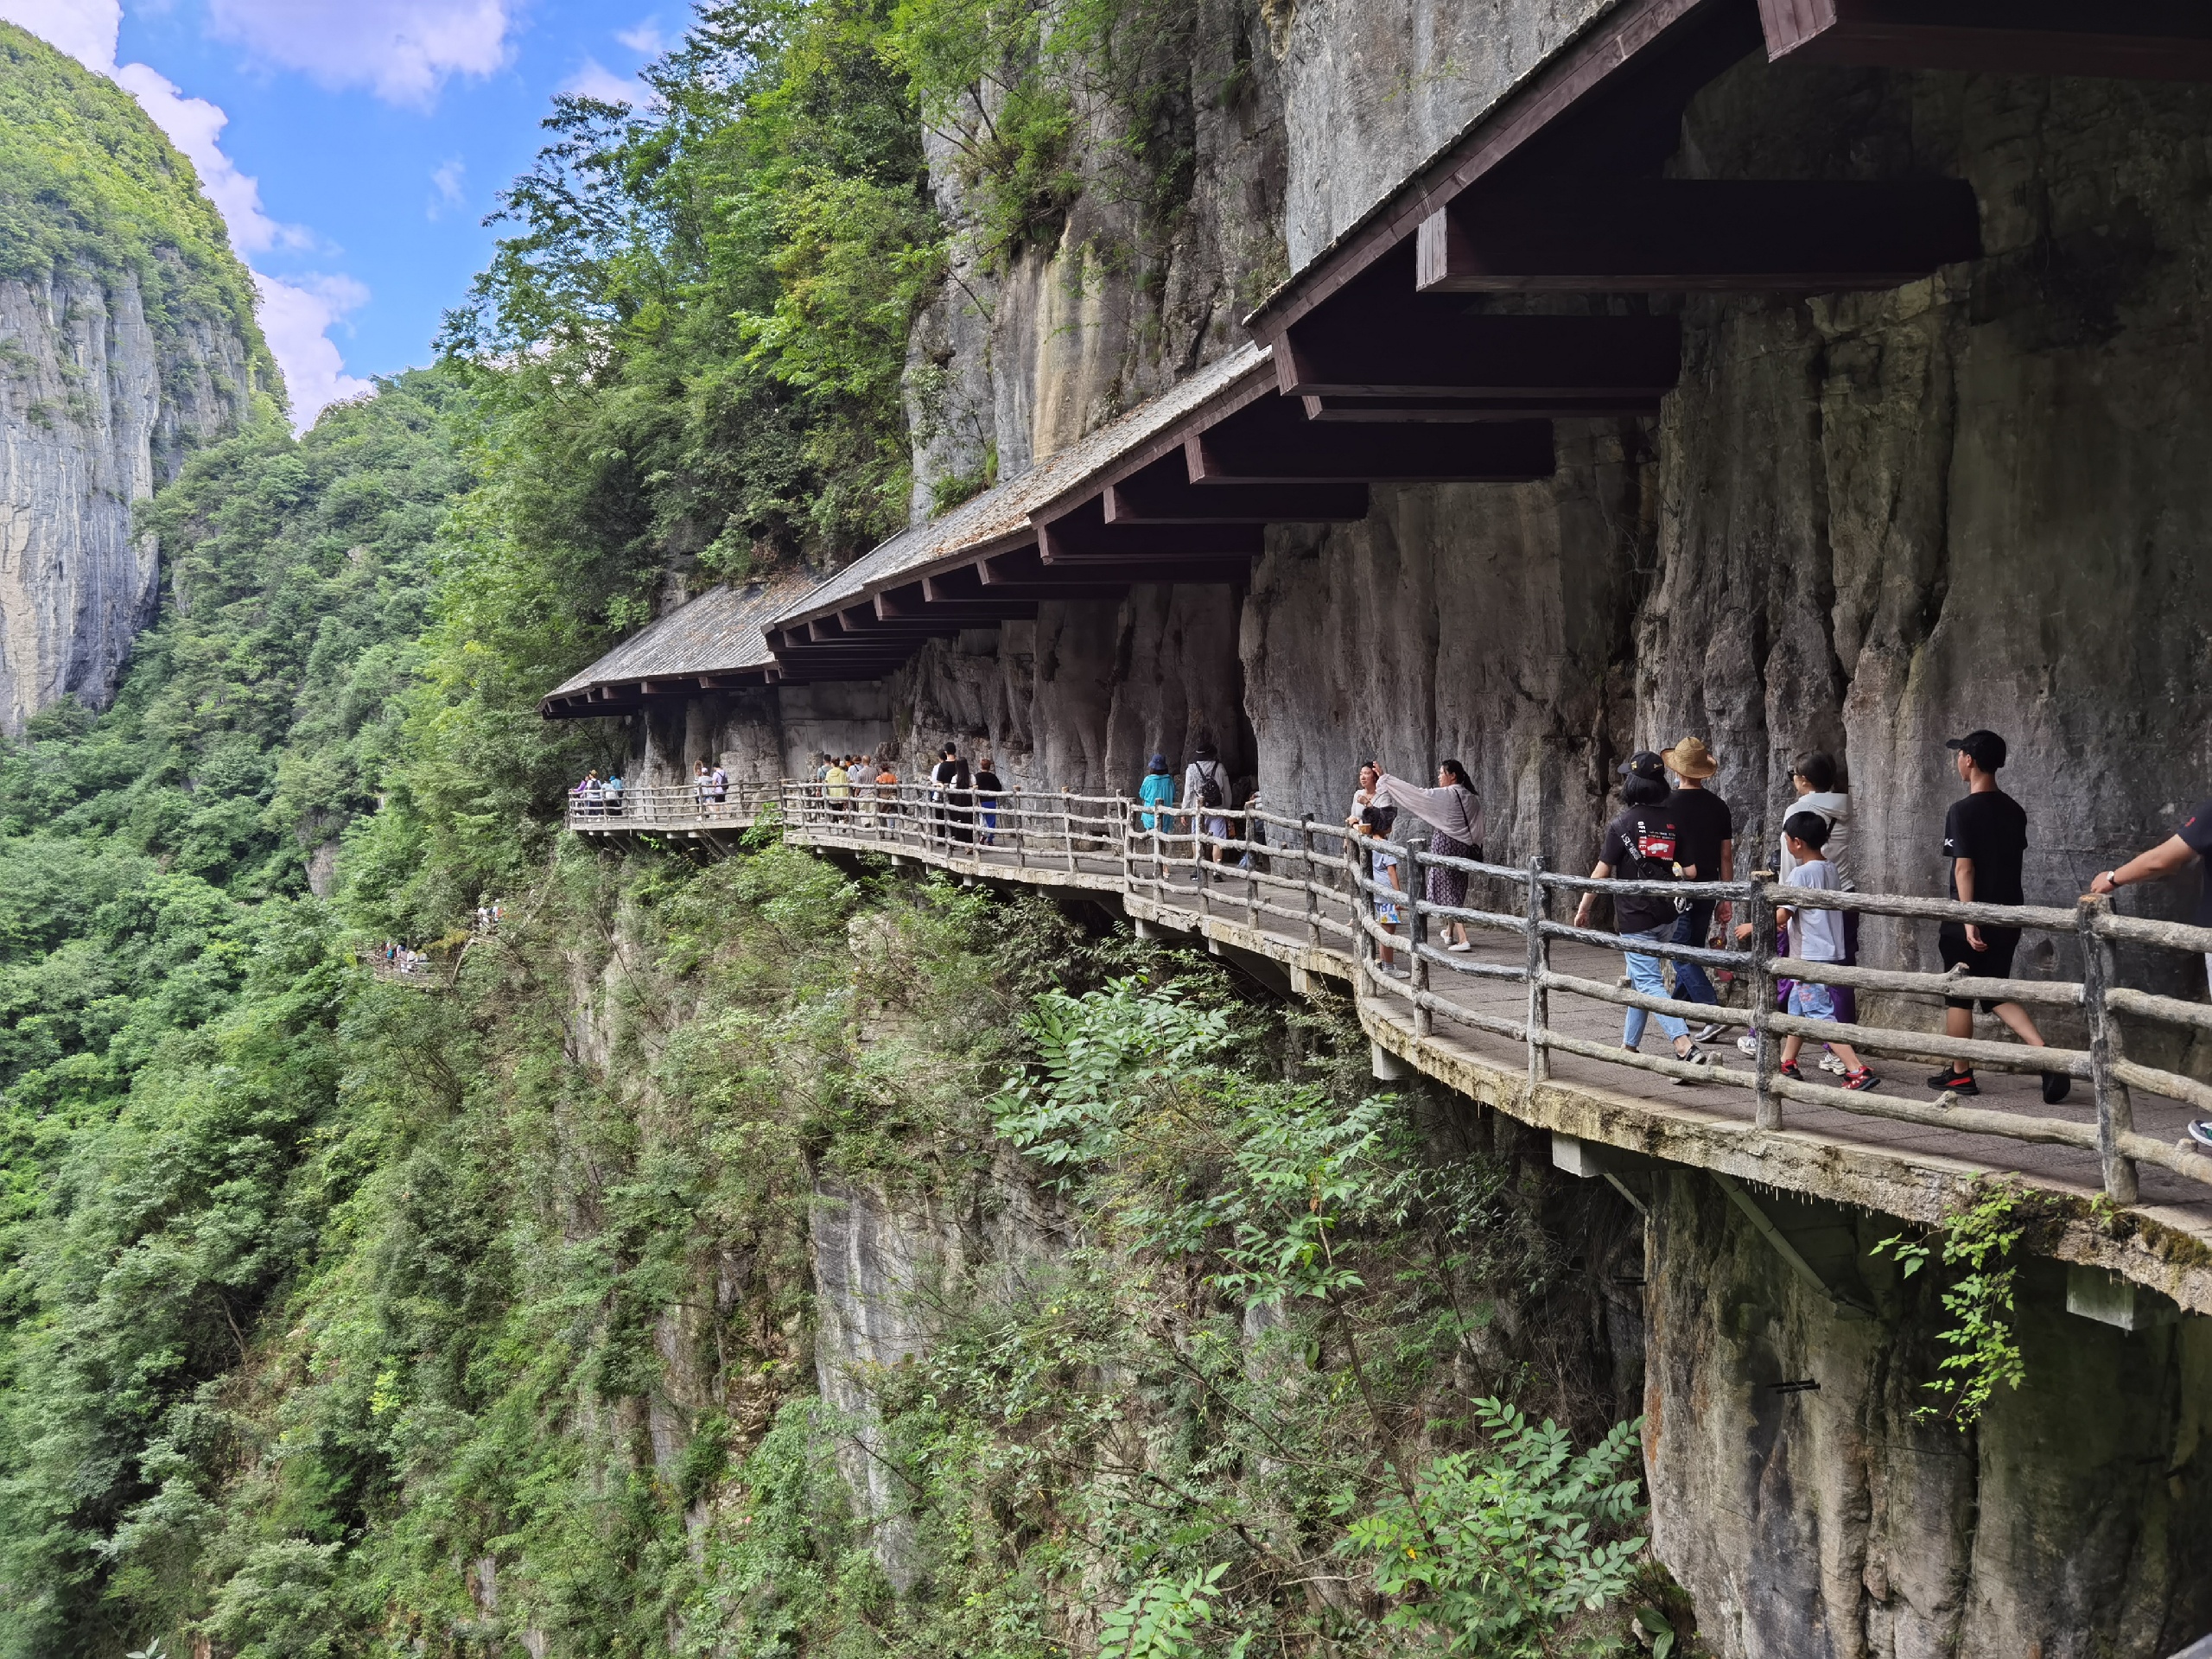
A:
(1655, 849)
(1210, 795)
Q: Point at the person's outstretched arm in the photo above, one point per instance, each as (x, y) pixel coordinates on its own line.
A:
(2164, 860)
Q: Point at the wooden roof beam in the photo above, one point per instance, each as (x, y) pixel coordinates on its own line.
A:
(911, 602)
(1082, 536)
(1710, 235)
(1466, 410)
(1273, 442)
(1379, 346)
(1162, 493)
(2131, 39)
(1022, 572)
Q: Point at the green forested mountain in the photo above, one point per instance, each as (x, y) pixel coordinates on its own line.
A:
(86, 180)
(337, 1318)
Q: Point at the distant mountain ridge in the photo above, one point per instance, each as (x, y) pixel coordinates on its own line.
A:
(127, 339)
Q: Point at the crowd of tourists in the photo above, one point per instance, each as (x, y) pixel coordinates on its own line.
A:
(1671, 828)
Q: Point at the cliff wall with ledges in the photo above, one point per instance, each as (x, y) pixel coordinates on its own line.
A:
(97, 408)
(127, 338)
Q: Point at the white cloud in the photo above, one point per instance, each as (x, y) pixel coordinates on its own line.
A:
(446, 178)
(195, 126)
(298, 317)
(596, 80)
(85, 29)
(404, 50)
(644, 38)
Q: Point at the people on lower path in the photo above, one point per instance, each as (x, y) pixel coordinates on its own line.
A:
(1708, 845)
(1816, 935)
(1206, 802)
(1157, 789)
(1642, 844)
(1985, 842)
(837, 785)
(1453, 813)
(2190, 844)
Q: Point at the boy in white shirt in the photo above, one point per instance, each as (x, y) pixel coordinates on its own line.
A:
(1815, 935)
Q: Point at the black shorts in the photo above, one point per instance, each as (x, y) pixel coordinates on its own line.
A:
(1995, 963)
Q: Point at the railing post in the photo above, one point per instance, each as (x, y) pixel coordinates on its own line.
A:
(1363, 942)
(1759, 905)
(1417, 929)
(1539, 997)
(2115, 1106)
(1312, 883)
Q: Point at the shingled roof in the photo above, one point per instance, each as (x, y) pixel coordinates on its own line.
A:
(1001, 516)
(714, 642)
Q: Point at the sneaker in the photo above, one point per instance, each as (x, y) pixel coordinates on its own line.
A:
(2056, 1085)
(1862, 1078)
(1462, 946)
(1829, 1063)
(1708, 1033)
(1695, 1056)
(2201, 1133)
(1789, 1069)
(1956, 1083)
(1749, 1044)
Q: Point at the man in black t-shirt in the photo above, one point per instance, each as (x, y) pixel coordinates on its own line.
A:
(1985, 842)
(2188, 845)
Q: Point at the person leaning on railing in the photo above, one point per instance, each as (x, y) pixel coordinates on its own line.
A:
(2188, 845)
(1453, 813)
(1640, 844)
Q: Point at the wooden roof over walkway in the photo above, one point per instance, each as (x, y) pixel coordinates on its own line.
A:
(712, 643)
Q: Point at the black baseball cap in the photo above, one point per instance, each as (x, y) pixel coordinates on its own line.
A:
(1644, 764)
(1985, 749)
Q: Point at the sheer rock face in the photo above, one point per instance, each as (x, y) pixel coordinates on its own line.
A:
(1370, 92)
(97, 405)
(1834, 1520)
(1026, 350)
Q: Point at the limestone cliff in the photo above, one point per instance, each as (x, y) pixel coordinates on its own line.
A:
(127, 337)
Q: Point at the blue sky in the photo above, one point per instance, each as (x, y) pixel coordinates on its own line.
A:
(355, 145)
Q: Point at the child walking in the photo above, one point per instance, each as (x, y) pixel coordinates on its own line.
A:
(1815, 935)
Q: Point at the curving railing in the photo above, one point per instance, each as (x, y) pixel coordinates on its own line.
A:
(676, 807)
(1320, 887)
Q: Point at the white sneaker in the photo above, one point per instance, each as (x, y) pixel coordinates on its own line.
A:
(1829, 1063)
(1462, 946)
(1749, 1044)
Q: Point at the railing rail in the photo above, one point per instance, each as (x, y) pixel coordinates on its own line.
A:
(1359, 896)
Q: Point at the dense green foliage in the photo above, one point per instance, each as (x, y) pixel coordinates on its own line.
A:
(701, 318)
(170, 989)
(87, 182)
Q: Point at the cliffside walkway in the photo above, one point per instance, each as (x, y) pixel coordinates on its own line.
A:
(1528, 1021)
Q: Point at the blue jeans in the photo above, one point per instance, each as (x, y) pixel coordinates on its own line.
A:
(1694, 926)
(1645, 973)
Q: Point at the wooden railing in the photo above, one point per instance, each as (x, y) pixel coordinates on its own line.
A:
(673, 807)
(1315, 884)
